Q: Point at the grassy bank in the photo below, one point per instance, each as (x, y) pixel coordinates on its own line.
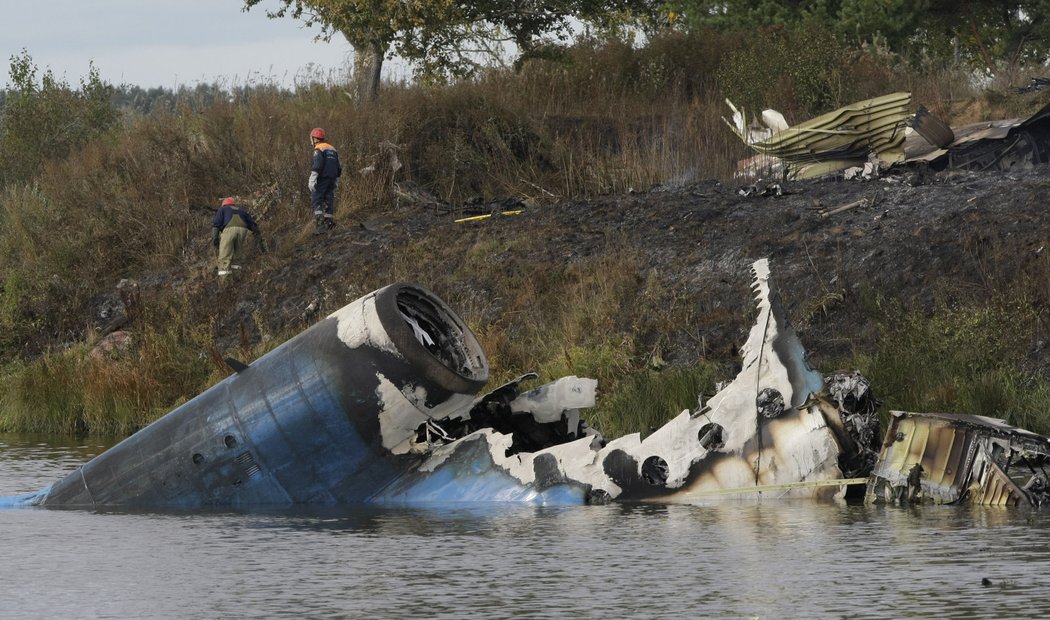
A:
(135, 199)
(964, 358)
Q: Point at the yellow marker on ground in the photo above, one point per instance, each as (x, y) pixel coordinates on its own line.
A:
(481, 217)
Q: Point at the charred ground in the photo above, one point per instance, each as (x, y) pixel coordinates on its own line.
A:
(674, 261)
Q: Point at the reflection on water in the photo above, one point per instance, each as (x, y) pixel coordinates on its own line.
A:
(30, 462)
(741, 560)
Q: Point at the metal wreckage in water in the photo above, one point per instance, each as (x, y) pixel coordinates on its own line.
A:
(377, 403)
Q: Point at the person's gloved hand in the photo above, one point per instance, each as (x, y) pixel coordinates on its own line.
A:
(215, 237)
(312, 183)
(262, 244)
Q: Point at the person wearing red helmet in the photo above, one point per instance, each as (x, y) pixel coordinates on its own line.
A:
(228, 234)
(325, 171)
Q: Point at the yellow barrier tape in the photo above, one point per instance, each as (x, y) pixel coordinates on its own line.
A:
(481, 217)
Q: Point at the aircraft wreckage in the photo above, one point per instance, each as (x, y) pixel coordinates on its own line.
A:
(377, 403)
(882, 132)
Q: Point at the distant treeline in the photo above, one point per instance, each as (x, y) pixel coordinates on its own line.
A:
(134, 99)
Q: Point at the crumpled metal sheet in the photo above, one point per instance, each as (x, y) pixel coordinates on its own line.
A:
(953, 458)
(766, 434)
(1000, 144)
(916, 148)
(841, 139)
(879, 133)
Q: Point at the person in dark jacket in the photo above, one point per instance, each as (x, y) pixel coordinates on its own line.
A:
(325, 170)
(230, 232)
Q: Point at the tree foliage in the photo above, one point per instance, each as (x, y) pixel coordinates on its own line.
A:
(45, 119)
(447, 37)
(795, 69)
(982, 32)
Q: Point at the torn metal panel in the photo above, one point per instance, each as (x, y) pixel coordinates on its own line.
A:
(996, 144)
(952, 458)
(932, 129)
(918, 148)
(835, 141)
(766, 434)
(858, 416)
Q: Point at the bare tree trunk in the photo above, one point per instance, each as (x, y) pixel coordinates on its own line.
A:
(368, 67)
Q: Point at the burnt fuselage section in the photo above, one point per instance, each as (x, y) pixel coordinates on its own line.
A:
(317, 420)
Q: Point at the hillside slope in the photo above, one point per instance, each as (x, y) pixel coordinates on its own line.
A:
(912, 239)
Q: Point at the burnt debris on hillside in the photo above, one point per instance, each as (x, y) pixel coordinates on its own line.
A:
(875, 134)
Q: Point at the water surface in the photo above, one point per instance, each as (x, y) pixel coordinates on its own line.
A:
(775, 559)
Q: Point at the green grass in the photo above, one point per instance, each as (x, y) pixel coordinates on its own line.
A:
(79, 391)
(648, 399)
(960, 358)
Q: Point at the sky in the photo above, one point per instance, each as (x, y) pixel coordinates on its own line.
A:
(168, 43)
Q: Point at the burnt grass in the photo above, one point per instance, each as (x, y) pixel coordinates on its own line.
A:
(917, 238)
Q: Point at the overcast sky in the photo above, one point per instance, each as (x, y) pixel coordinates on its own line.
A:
(166, 42)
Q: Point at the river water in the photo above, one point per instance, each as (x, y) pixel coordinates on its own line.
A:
(773, 559)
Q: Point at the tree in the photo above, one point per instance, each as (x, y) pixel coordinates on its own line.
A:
(368, 25)
(987, 32)
(45, 118)
(441, 35)
(982, 32)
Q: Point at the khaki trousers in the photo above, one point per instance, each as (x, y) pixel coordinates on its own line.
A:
(231, 249)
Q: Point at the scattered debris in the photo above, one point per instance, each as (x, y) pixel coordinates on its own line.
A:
(770, 189)
(1035, 85)
(846, 207)
(407, 192)
(952, 458)
(475, 218)
(862, 140)
(870, 170)
(477, 209)
(378, 403)
(115, 311)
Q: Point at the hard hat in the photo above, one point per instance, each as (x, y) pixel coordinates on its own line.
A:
(317, 132)
(227, 201)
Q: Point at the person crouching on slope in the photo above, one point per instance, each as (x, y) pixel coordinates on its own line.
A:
(325, 171)
(229, 233)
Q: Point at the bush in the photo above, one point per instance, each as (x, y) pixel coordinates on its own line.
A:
(798, 70)
(43, 122)
(959, 359)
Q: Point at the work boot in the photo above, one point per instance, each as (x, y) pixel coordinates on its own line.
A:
(319, 222)
(329, 222)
